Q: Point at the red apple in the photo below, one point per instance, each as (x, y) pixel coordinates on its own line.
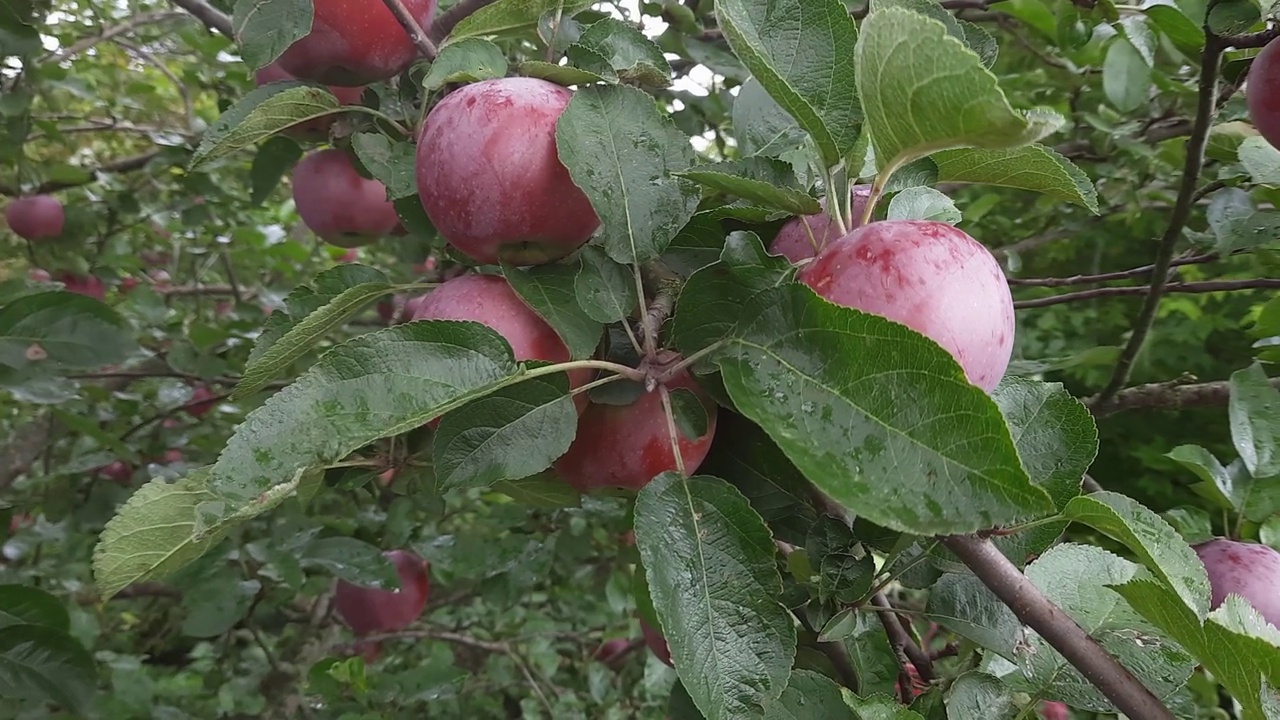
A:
(489, 299)
(350, 256)
(38, 275)
(490, 177)
(355, 42)
(1052, 710)
(931, 277)
(87, 285)
(370, 610)
(339, 205)
(1262, 93)
(128, 283)
(612, 652)
(317, 129)
(657, 644)
(798, 238)
(1249, 570)
(626, 446)
(173, 456)
(119, 472)
(202, 401)
(38, 217)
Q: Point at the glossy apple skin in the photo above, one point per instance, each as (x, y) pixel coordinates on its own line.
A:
(490, 177)
(1249, 570)
(316, 130)
(1262, 93)
(38, 217)
(490, 300)
(796, 240)
(931, 277)
(369, 610)
(339, 205)
(626, 446)
(87, 285)
(656, 643)
(355, 42)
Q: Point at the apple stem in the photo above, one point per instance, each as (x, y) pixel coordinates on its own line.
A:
(647, 328)
(671, 429)
(877, 189)
(629, 373)
(595, 384)
(672, 371)
(411, 26)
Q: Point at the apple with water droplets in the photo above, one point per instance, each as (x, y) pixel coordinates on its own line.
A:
(368, 610)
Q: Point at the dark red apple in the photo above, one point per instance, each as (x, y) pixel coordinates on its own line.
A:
(931, 277)
(626, 446)
(656, 643)
(371, 610)
(798, 238)
(119, 472)
(128, 283)
(612, 652)
(490, 176)
(317, 129)
(1262, 93)
(339, 205)
(202, 401)
(38, 217)
(1249, 570)
(87, 285)
(355, 42)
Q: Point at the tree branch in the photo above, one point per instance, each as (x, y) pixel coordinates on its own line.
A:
(1192, 288)
(1172, 395)
(127, 26)
(1210, 60)
(1251, 40)
(1026, 601)
(212, 17)
(411, 26)
(444, 24)
(126, 164)
(1107, 277)
(899, 639)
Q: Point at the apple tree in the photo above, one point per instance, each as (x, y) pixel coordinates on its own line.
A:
(679, 359)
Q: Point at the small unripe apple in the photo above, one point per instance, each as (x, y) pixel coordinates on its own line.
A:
(316, 129)
(626, 446)
(1262, 93)
(490, 177)
(356, 42)
(931, 277)
(798, 238)
(339, 205)
(656, 643)
(202, 401)
(1249, 570)
(369, 610)
(37, 217)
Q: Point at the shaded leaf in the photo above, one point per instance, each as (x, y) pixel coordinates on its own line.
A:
(551, 290)
(1032, 167)
(43, 664)
(264, 29)
(26, 605)
(72, 332)
(466, 60)
(260, 114)
(763, 180)
(394, 164)
(605, 289)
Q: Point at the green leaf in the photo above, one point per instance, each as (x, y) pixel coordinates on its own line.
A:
(761, 126)
(697, 245)
(1153, 540)
(217, 603)
(465, 60)
(542, 490)
(394, 164)
(962, 604)
(560, 74)
(605, 289)
(511, 434)
(372, 387)
(818, 376)
(880, 707)
(763, 180)
(923, 203)
(45, 665)
(810, 695)
(512, 16)
(616, 51)
(689, 413)
(305, 300)
(1228, 17)
(976, 696)
(1032, 167)
(551, 290)
(51, 332)
(1254, 411)
(845, 571)
(355, 561)
(709, 560)
(262, 113)
(1126, 77)
(303, 336)
(974, 37)
(1231, 487)
(26, 605)
(621, 150)
(802, 53)
(711, 300)
(275, 158)
(1261, 160)
(923, 91)
(264, 29)
(746, 456)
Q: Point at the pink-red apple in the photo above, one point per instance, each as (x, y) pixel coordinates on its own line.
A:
(172, 456)
(1053, 710)
(798, 239)
(202, 401)
(87, 285)
(119, 472)
(339, 205)
(612, 653)
(371, 610)
(626, 446)
(38, 275)
(37, 217)
(656, 643)
(931, 277)
(1249, 570)
(355, 42)
(316, 129)
(490, 176)
(1262, 93)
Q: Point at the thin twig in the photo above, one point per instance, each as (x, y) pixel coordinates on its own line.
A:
(668, 285)
(1193, 288)
(129, 25)
(899, 639)
(444, 24)
(188, 108)
(1210, 59)
(1026, 601)
(213, 18)
(1107, 277)
(125, 164)
(1250, 40)
(411, 26)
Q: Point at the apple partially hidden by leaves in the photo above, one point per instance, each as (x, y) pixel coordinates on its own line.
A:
(369, 610)
(355, 42)
(37, 217)
(202, 401)
(1249, 570)
(656, 642)
(1262, 93)
(802, 237)
(119, 472)
(931, 277)
(316, 129)
(87, 285)
(338, 204)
